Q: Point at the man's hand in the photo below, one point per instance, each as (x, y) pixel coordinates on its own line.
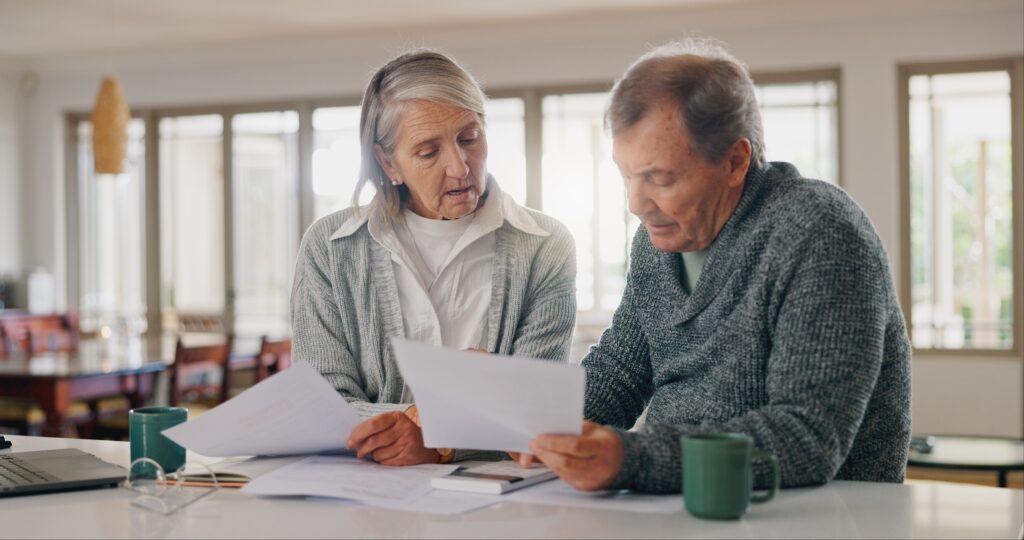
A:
(588, 462)
(524, 459)
(391, 439)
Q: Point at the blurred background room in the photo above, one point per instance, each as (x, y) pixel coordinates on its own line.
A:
(168, 282)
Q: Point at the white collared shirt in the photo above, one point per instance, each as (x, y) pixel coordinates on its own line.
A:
(446, 303)
(443, 273)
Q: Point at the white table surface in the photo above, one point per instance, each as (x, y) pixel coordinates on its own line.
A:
(837, 510)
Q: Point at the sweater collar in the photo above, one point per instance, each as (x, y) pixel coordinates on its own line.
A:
(723, 252)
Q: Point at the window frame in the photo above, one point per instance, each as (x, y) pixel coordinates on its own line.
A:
(1014, 66)
(813, 75)
(533, 121)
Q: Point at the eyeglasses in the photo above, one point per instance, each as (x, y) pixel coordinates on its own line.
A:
(165, 493)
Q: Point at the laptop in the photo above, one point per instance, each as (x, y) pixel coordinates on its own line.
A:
(44, 471)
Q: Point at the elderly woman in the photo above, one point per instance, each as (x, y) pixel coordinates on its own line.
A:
(440, 256)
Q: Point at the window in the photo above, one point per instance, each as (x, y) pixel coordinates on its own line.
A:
(582, 186)
(265, 231)
(583, 189)
(336, 158)
(111, 235)
(800, 113)
(506, 145)
(191, 217)
(294, 162)
(961, 206)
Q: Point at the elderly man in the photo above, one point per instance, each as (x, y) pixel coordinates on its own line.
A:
(757, 301)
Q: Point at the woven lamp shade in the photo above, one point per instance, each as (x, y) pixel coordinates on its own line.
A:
(110, 128)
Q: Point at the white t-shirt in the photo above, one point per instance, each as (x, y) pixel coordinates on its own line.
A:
(431, 243)
(443, 274)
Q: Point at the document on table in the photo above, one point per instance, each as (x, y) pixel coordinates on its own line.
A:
(345, 477)
(468, 399)
(294, 412)
(234, 471)
(558, 493)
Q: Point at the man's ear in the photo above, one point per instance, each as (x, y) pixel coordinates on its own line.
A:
(738, 161)
(385, 163)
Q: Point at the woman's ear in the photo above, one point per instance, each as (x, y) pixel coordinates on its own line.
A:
(386, 164)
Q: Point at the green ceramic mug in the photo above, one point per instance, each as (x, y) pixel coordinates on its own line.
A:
(144, 427)
(718, 474)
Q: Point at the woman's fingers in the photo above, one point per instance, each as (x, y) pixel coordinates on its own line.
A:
(368, 428)
(377, 441)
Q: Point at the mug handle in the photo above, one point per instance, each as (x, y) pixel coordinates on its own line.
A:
(774, 462)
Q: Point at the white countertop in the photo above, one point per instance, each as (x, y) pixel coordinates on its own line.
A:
(838, 510)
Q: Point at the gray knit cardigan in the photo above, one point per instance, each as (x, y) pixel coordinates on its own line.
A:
(345, 306)
(793, 335)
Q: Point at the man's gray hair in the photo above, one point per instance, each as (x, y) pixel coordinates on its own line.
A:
(712, 87)
(418, 75)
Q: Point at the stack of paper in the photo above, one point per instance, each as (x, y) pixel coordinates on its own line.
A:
(294, 412)
(400, 488)
(465, 399)
(483, 401)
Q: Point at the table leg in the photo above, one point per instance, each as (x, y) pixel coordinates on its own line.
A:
(140, 390)
(55, 399)
(1002, 478)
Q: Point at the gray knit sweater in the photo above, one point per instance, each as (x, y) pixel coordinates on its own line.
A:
(793, 335)
(345, 307)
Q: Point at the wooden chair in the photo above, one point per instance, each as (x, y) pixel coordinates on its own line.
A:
(51, 340)
(20, 329)
(193, 382)
(192, 323)
(275, 356)
(192, 370)
(3, 344)
(34, 334)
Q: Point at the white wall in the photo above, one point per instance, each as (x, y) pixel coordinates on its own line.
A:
(865, 39)
(10, 193)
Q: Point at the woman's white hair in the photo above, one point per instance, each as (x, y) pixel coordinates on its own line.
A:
(418, 75)
(714, 91)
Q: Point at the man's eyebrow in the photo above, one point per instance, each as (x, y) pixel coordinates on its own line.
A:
(652, 171)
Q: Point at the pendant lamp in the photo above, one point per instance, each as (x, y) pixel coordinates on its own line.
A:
(110, 128)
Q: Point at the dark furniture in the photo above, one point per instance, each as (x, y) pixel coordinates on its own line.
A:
(970, 453)
(27, 332)
(98, 369)
(201, 373)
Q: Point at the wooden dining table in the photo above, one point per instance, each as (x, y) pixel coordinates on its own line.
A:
(100, 368)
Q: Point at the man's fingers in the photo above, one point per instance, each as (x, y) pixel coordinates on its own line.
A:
(567, 467)
(572, 445)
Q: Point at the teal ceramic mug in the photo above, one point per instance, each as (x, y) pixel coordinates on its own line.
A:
(718, 477)
(144, 427)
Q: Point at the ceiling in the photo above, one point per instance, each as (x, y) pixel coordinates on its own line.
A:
(31, 29)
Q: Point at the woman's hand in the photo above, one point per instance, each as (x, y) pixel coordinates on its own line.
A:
(391, 439)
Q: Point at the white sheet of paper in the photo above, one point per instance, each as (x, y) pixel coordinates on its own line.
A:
(294, 412)
(559, 493)
(400, 488)
(484, 401)
(251, 467)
